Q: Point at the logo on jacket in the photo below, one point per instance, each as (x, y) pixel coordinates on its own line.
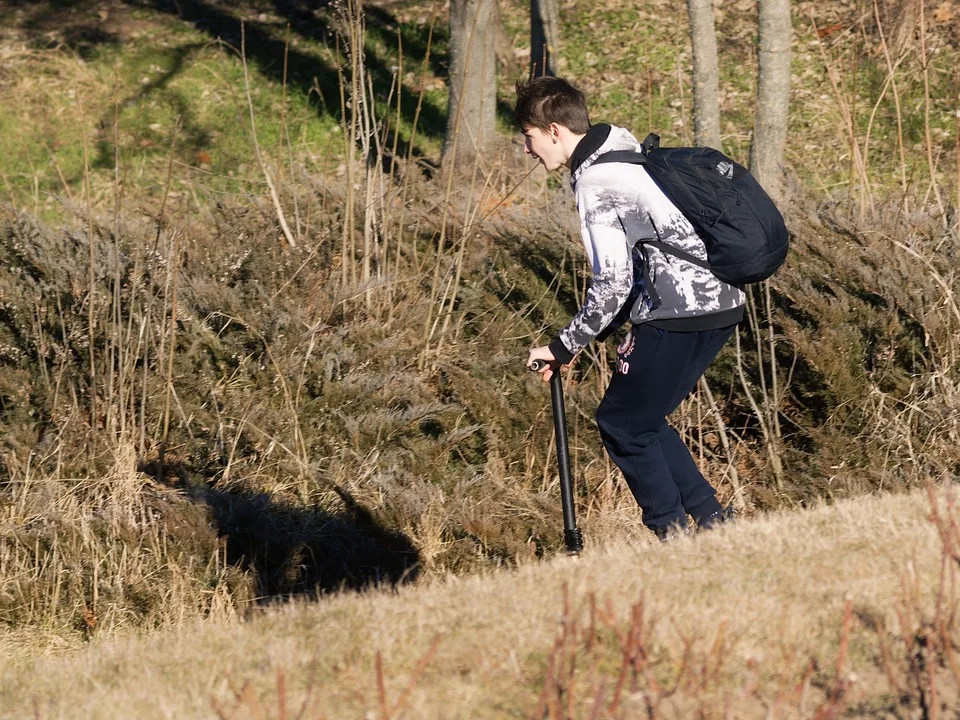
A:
(725, 169)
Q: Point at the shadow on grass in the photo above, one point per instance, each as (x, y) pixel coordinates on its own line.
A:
(306, 72)
(82, 27)
(297, 552)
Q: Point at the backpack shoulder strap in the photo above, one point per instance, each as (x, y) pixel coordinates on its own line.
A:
(677, 253)
(651, 142)
(632, 157)
(622, 156)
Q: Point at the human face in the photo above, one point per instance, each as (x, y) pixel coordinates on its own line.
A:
(545, 146)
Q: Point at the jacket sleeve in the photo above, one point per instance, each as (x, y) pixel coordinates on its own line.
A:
(608, 250)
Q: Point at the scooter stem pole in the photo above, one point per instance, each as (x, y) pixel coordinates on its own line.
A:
(572, 537)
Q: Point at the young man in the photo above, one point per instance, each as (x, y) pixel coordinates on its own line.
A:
(680, 313)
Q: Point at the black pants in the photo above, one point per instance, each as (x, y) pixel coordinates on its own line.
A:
(656, 370)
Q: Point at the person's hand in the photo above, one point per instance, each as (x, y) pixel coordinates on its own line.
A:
(544, 354)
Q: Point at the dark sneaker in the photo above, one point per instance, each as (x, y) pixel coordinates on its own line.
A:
(715, 520)
(673, 532)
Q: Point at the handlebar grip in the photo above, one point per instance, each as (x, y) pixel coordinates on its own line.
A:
(538, 365)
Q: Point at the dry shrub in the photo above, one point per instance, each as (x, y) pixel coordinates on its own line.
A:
(869, 317)
(303, 414)
(293, 423)
(117, 551)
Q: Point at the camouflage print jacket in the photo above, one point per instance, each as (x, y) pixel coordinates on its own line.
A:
(619, 205)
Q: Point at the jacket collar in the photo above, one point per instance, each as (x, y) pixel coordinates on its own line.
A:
(596, 136)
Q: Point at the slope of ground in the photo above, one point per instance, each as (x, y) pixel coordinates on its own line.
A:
(831, 609)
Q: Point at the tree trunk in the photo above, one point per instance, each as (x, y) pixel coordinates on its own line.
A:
(471, 118)
(773, 96)
(544, 37)
(706, 74)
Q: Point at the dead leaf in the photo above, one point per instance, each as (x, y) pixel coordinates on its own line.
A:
(944, 13)
(828, 30)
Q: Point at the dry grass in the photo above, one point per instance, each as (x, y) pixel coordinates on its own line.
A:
(744, 622)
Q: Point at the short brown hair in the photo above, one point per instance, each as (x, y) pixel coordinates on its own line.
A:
(546, 100)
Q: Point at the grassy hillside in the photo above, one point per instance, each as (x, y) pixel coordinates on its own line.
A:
(240, 365)
(147, 80)
(841, 611)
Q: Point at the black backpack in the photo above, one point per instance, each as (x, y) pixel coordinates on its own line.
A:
(744, 233)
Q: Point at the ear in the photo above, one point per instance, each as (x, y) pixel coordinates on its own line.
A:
(554, 131)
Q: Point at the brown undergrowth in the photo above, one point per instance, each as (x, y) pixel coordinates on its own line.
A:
(317, 435)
